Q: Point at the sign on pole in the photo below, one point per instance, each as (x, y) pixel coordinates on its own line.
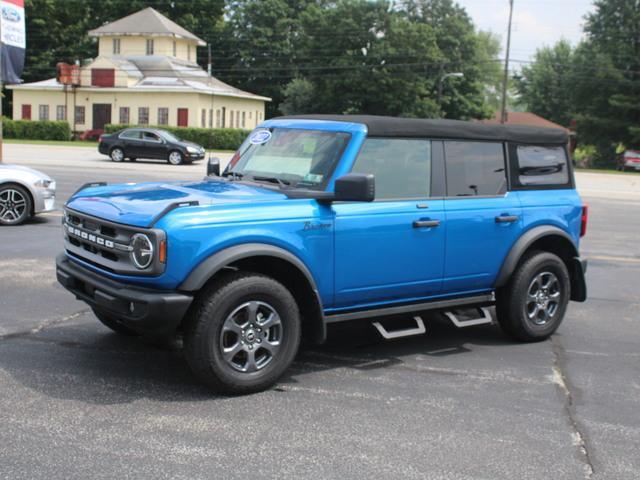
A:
(13, 40)
(12, 33)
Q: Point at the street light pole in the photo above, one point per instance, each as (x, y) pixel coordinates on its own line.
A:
(441, 83)
(505, 80)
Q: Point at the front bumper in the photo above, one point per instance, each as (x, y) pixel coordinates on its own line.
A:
(194, 156)
(143, 310)
(44, 199)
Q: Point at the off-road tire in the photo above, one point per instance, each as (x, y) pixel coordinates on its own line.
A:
(203, 330)
(511, 307)
(19, 205)
(112, 323)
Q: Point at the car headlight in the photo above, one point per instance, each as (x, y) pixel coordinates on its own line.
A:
(43, 183)
(193, 150)
(141, 250)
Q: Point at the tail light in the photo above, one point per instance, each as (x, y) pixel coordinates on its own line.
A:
(584, 220)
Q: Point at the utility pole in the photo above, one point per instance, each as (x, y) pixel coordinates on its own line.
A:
(209, 59)
(505, 80)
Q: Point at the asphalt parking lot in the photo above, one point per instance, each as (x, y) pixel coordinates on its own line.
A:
(77, 401)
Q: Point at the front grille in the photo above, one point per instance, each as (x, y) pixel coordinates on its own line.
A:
(106, 244)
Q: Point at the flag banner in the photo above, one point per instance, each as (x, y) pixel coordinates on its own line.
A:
(14, 40)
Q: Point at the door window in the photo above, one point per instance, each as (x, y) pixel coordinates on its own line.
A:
(402, 167)
(131, 134)
(150, 137)
(475, 168)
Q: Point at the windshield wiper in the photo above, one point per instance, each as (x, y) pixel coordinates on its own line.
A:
(279, 181)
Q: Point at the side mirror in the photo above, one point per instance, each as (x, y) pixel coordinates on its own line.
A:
(213, 167)
(355, 187)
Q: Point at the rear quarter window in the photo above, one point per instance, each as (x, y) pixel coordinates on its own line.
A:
(539, 165)
(475, 168)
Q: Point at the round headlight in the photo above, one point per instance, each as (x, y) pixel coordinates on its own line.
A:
(141, 250)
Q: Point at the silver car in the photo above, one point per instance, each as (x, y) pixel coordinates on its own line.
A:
(23, 193)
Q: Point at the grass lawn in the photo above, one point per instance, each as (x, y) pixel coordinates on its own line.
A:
(75, 143)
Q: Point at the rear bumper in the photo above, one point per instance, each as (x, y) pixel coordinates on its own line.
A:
(103, 148)
(143, 310)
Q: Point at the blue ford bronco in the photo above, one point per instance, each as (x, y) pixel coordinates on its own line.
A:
(329, 218)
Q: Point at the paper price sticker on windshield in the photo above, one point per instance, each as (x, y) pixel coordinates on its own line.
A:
(260, 137)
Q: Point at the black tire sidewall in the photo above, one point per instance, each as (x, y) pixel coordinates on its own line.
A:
(516, 321)
(203, 342)
(29, 204)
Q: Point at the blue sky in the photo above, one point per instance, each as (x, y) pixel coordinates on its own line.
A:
(536, 23)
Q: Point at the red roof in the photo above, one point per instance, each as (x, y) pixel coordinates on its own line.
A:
(524, 118)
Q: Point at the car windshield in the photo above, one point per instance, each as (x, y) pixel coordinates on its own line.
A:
(169, 136)
(296, 157)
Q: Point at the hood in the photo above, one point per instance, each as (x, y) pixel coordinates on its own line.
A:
(6, 170)
(142, 204)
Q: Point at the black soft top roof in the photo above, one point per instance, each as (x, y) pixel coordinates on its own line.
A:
(380, 126)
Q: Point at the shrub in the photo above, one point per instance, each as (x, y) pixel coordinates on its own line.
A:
(210, 138)
(36, 129)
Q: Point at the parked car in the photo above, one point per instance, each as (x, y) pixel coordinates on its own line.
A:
(325, 219)
(134, 143)
(629, 160)
(24, 192)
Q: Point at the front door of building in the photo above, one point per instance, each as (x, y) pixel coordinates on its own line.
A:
(183, 117)
(101, 115)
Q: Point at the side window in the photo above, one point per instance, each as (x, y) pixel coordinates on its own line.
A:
(131, 134)
(402, 167)
(542, 165)
(475, 168)
(150, 137)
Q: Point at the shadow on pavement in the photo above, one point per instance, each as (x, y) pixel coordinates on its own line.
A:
(86, 363)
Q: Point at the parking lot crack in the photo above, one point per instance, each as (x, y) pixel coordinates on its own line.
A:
(44, 325)
(560, 378)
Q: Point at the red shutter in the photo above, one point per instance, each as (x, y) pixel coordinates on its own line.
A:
(26, 112)
(183, 117)
(103, 77)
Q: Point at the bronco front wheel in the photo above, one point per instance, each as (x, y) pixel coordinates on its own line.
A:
(243, 333)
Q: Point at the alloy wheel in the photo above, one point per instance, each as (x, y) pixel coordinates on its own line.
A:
(175, 158)
(543, 298)
(251, 336)
(13, 205)
(117, 155)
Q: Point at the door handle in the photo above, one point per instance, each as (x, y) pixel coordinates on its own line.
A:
(507, 218)
(426, 223)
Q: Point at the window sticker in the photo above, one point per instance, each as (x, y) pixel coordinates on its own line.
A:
(260, 137)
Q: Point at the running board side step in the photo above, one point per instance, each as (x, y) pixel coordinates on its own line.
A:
(461, 318)
(419, 329)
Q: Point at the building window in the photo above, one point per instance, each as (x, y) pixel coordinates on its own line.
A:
(237, 119)
(250, 115)
(243, 119)
(116, 46)
(163, 116)
(143, 115)
(211, 118)
(43, 112)
(203, 118)
(61, 112)
(79, 115)
(149, 46)
(188, 52)
(218, 118)
(175, 49)
(124, 115)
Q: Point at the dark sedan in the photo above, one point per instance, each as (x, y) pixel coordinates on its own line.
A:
(133, 143)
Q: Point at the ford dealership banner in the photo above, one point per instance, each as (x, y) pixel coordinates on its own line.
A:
(12, 34)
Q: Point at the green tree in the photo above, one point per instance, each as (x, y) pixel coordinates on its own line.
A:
(546, 86)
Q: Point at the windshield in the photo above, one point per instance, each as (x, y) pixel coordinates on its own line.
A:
(169, 136)
(300, 158)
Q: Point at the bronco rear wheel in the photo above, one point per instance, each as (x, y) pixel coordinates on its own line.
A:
(243, 333)
(532, 305)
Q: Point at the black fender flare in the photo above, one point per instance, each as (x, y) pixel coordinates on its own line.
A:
(574, 264)
(216, 262)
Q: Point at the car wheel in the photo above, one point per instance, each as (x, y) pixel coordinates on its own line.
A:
(116, 154)
(175, 157)
(15, 205)
(243, 334)
(532, 305)
(112, 323)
